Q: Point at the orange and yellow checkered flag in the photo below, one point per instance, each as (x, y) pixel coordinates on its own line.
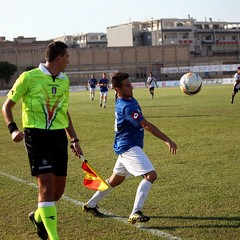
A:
(92, 179)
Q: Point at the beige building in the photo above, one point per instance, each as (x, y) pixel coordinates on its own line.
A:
(125, 35)
(86, 40)
(206, 38)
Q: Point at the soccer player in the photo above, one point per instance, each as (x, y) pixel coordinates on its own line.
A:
(129, 133)
(46, 122)
(103, 83)
(236, 84)
(92, 83)
(151, 84)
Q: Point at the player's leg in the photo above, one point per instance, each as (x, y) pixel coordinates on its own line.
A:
(140, 165)
(105, 99)
(118, 176)
(113, 181)
(93, 94)
(91, 205)
(235, 90)
(101, 99)
(152, 91)
(236, 87)
(143, 189)
(90, 91)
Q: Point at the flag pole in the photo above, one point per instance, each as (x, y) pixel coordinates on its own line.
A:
(84, 160)
(81, 156)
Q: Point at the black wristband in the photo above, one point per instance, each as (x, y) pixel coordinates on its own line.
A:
(75, 140)
(12, 126)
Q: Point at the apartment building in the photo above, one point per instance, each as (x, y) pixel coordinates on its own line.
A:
(213, 38)
(84, 40)
(88, 40)
(159, 32)
(207, 38)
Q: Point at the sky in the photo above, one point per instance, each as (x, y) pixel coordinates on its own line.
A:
(47, 19)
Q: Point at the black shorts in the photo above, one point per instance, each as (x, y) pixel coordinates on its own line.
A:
(47, 151)
(151, 89)
(235, 90)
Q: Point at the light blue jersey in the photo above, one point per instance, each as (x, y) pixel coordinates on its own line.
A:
(128, 132)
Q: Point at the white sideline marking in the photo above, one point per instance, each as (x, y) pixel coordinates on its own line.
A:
(118, 218)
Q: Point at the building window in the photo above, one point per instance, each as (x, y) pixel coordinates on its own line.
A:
(184, 35)
(208, 37)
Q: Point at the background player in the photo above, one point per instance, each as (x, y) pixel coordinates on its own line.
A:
(103, 83)
(151, 84)
(92, 83)
(236, 85)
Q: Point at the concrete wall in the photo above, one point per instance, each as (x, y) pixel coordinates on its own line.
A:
(137, 61)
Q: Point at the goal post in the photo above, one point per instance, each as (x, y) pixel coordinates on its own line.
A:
(81, 77)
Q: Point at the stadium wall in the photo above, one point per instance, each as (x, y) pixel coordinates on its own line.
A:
(137, 61)
(161, 84)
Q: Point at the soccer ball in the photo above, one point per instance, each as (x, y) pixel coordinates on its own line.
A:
(190, 83)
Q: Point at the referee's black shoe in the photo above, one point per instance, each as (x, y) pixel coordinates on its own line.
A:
(41, 230)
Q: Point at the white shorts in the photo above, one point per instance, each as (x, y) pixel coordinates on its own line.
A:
(103, 94)
(133, 162)
(92, 90)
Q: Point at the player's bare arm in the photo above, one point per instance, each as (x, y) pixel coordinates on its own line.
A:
(157, 133)
(17, 135)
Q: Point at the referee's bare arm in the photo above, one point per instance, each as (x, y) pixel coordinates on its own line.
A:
(73, 137)
(7, 113)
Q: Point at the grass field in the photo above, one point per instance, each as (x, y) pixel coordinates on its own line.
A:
(196, 195)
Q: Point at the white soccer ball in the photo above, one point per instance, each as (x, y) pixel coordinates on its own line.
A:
(190, 83)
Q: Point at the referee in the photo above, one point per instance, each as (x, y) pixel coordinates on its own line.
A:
(47, 123)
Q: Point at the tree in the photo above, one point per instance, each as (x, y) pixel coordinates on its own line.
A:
(7, 70)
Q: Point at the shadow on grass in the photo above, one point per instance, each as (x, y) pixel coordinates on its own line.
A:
(197, 224)
(109, 215)
(159, 106)
(181, 116)
(186, 225)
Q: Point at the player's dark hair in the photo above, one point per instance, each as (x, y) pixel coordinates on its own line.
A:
(54, 50)
(118, 78)
(238, 68)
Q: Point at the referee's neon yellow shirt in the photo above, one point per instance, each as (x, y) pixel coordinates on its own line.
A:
(44, 99)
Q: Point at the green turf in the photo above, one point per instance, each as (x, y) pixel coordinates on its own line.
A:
(196, 195)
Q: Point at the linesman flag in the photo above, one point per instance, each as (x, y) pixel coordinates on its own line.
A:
(92, 179)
